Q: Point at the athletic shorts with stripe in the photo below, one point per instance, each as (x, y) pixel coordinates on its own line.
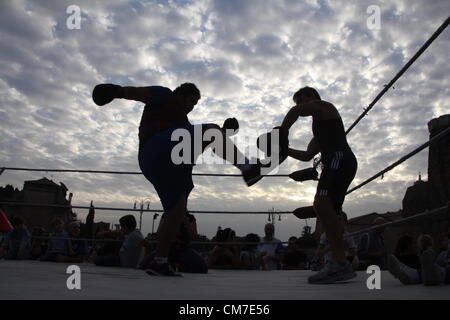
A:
(337, 174)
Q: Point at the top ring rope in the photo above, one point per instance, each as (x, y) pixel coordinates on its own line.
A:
(128, 172)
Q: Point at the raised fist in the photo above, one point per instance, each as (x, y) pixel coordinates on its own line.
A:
(106, 92)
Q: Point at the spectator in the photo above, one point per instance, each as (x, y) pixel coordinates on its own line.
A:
(108, 248)
(182, 257)
(223, 255)
(17, 244)
(79, 246)
(371, 248)
(271, 249)
(38, 243)
(430, 274)
(131, 247)
(250, 255)
(443, 258)
(406, 253)
(59, 247)
(405, 264)
(293, 257)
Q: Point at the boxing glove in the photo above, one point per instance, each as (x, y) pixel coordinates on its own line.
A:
(265, 143)
(231, 124)
(106, 92)
(304, 175)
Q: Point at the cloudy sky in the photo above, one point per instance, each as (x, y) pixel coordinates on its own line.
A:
(248, 58)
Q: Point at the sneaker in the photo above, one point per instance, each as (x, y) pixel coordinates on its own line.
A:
(252, 174)
(333, 272)
(161, 269)
(432, 274)
(402, 272)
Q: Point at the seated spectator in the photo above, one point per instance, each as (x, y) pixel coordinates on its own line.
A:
(109, 247)
(182, 257)
(443, 258)
(293, 257)
(250, 255)
(131, 247)
(371, 248)
(224, 256)
(430, 274)
(405, 264)
(349, 244)
(406, 253)
(79, 246)
(59, 247)
(17, 244)
(271, 249)
(39, 243)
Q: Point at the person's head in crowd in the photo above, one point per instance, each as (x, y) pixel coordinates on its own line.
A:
(251, 238)
(405, 245)
(292, 242)
(74, 228)
(58, 225)
(18, 223)
(127, 224)
(443, 241)
(225, 235)
(425, 241)
(37, 231)
(269, 231)
(379, 221)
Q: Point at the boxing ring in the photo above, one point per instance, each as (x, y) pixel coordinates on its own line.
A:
(22, 276)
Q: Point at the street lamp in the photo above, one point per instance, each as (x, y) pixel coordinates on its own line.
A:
(272, 215)
(153, 224)
(141, 209)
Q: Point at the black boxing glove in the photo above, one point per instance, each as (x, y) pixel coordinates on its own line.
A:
(264, 142)
(106, 92)
(304, 175)
(231, 124)
(305, 212)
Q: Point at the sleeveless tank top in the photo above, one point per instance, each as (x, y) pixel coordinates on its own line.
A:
(330, 135)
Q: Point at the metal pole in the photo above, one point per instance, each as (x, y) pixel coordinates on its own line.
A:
(153, 224)
(140, 218)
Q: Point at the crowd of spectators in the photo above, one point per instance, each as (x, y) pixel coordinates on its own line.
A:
(413, 261)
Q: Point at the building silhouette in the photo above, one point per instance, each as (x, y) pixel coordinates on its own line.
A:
(422, 196)
(42, 191)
